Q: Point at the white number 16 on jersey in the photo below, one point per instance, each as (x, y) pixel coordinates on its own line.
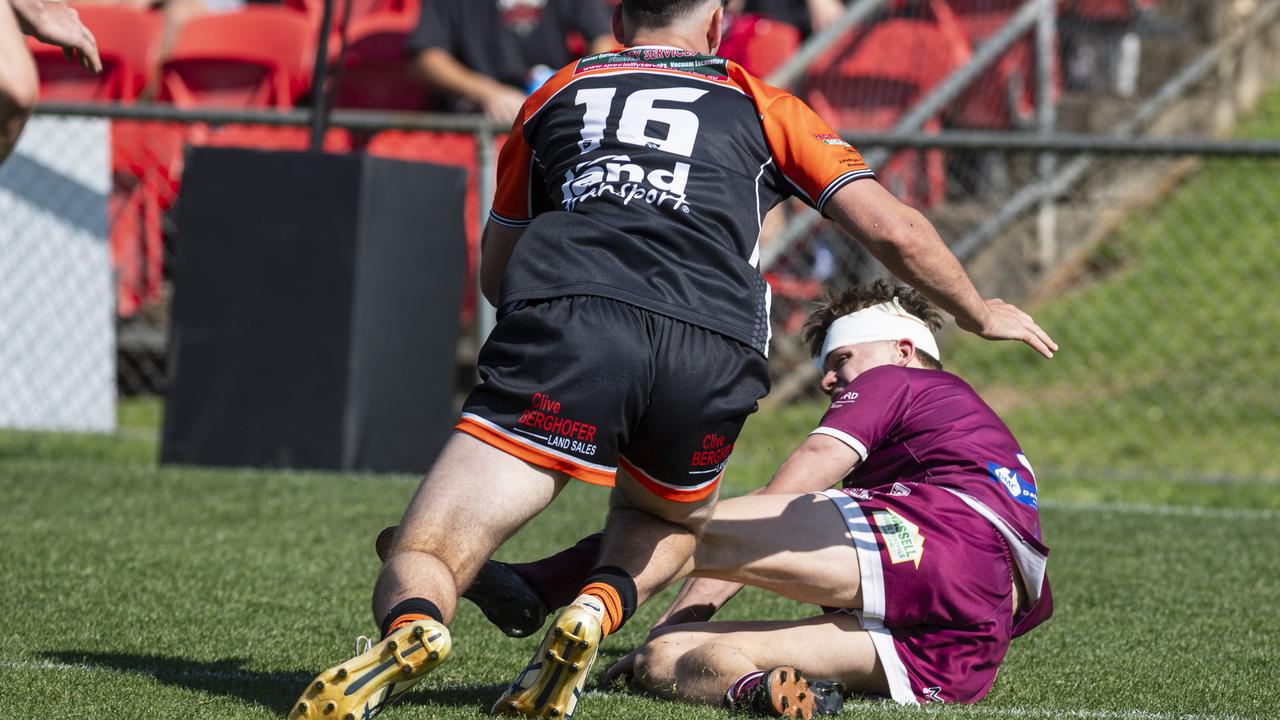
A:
(637, 113)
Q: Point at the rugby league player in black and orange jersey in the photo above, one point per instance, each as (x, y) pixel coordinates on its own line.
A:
(623, 255)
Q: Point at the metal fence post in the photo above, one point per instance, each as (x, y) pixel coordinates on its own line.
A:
(1046, 120)
(486, 314)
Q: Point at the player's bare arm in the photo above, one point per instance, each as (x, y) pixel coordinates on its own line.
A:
(495, 251)
(19, 85)
(816, 464)
(910, 247)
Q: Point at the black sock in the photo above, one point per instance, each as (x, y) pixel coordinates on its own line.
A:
(412, 606)
(556, 579)
(625, 589)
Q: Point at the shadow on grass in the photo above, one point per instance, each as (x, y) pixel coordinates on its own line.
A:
(275, 691)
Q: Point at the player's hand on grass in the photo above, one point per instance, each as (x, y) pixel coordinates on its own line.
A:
(1006, 322)
(57, 23)
(621, 673)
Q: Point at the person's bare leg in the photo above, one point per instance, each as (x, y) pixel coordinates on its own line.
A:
(647, 542)
(474, 498)
(651, 539)
(798, 546)
(698, 662)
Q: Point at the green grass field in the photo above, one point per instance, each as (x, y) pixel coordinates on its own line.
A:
(132, 591)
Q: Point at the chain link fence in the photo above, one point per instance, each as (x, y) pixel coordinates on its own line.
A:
(1153, 266)
(1164, 306)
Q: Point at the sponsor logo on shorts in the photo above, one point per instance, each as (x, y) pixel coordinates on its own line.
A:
(847, 398)
(715, 452)
(858, 493)
(899, 490)
(1018, 489)
(932, 694)
(902, 539)
(564, 434)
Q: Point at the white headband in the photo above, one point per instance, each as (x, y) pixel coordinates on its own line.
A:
(886, 321)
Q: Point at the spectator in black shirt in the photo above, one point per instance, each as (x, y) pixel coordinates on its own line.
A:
(485, 54)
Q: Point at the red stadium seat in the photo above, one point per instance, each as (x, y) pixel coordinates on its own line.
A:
(1109, 11)
(260, 56)
(871, 81)
(459, 150)
(143, 156)
(759, 44)
(1004, 99)
(359, 8)
(129, 43)
(801, 291)
(375, 72)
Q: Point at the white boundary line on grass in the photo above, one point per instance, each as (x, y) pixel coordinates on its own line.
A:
(1173, 510)
(948, 710)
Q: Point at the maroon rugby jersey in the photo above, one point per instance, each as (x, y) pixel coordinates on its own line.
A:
(928, 426)
(643, 176)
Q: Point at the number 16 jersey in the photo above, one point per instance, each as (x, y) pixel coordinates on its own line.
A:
(643, 176)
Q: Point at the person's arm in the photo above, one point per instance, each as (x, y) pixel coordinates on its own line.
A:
(832, 177)
(439, 69)
(822, 13)
(908, 245)
(511, 212)
(818, 463)
(19, 85)
(496, 247)
(56, 23)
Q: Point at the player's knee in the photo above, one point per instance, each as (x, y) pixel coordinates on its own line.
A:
(655, 665)
(708, 660)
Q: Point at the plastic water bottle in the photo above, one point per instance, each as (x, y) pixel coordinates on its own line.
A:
(537, 75)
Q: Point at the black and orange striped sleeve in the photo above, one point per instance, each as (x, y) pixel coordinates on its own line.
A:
(512, 198)
(813, 158)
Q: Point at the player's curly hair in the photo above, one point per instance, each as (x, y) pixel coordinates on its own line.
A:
(837, 304)
(659, 13)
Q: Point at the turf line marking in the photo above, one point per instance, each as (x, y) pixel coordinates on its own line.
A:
(1173, 510)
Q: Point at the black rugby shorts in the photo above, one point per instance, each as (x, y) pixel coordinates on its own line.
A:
(585, 384)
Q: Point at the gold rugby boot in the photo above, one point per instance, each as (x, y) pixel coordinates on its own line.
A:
(552, 682)
(361, 687)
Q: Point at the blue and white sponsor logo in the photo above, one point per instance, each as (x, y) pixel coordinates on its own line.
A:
(1018, 489)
